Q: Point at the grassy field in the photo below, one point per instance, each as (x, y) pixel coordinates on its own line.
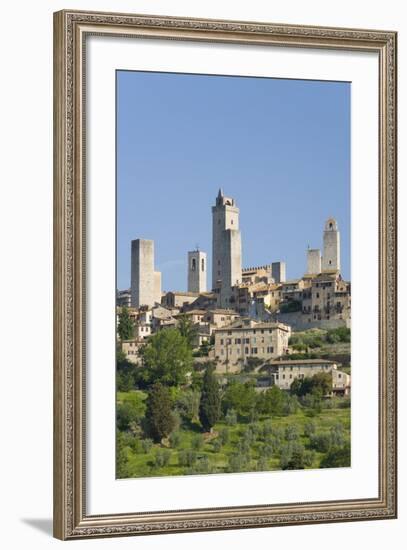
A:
(215, 458)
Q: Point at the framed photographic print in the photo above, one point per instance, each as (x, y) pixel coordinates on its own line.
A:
(225, 274)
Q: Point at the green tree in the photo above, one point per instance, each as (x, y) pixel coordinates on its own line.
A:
(318, 385)
(167, 358)
(128, 413)
(122, 468)
(187, 329)
(126, 325)
(159, 415)
(209, 406)
(240, 397)
(271, 401)
(125, 372)
(337, 457)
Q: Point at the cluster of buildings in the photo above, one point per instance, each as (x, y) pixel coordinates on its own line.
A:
(248, 312)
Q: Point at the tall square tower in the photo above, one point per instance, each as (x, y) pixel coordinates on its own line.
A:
(145, 282)
(196, 271)
(226, 248)
(331, 256)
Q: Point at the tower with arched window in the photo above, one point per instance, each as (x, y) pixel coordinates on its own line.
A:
(331, 256)
(196, 271)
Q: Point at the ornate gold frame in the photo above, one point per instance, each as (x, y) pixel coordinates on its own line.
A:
(70, 518)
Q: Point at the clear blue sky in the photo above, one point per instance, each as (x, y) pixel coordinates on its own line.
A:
(281, 148)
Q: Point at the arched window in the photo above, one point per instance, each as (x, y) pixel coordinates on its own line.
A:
(330, 225)
(203, 264)
(193, 264)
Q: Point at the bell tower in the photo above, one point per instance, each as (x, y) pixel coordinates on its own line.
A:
(196, 271)
(331, 257)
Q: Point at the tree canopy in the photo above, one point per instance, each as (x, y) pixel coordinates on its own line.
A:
(167, 358)
(126, 325)
(318, 385)
(209, 406)
(159, 415)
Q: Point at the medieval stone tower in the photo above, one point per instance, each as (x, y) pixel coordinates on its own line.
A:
(313, 261)
(226, 248)
(331, 256)
(196, 271)
(145, 282)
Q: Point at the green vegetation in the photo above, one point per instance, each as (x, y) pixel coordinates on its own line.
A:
(319, 338)
(209, 406)
(167, 358)
(293, 441)
(290, 306)
(160, 419)
(126, 325)
(174, 418)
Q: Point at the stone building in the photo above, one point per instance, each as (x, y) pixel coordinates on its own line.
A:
(226, 248)
(328, 297)
(245, 339)
(314, 261)
(131, 350)
(197, 271)
(282, 373)
(123, 298)
(331, 257)
(178, 299)
(145, 281)
(278, 272)
(259, 274)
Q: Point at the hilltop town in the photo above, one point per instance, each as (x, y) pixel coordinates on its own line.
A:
(252, 318)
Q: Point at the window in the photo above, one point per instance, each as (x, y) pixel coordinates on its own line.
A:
(203, 264)
(238, 351)
(231, 222)
(221, 351)
(246, 350)
(253, 340)
(254, 351)
(270, 349)
(283, 376)
(221, 342)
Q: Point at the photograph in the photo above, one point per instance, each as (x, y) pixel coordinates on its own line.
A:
(233, 274)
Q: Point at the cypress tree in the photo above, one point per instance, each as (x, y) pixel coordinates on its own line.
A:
(209, 406)
(126, 326)
(159, 416)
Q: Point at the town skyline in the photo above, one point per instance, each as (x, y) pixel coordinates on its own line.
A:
(250, 155)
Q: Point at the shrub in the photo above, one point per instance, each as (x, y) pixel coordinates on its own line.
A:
(310, 428)
(238, 463)
(162, 458)
(224, 436)
(292, 457)
(146, 445)
(291, 432)
(231, 417)
(175, 439)
(337, 433)
(337, 458)
(217, 445)
(187, 457)
(321, 442)
(197, 442)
